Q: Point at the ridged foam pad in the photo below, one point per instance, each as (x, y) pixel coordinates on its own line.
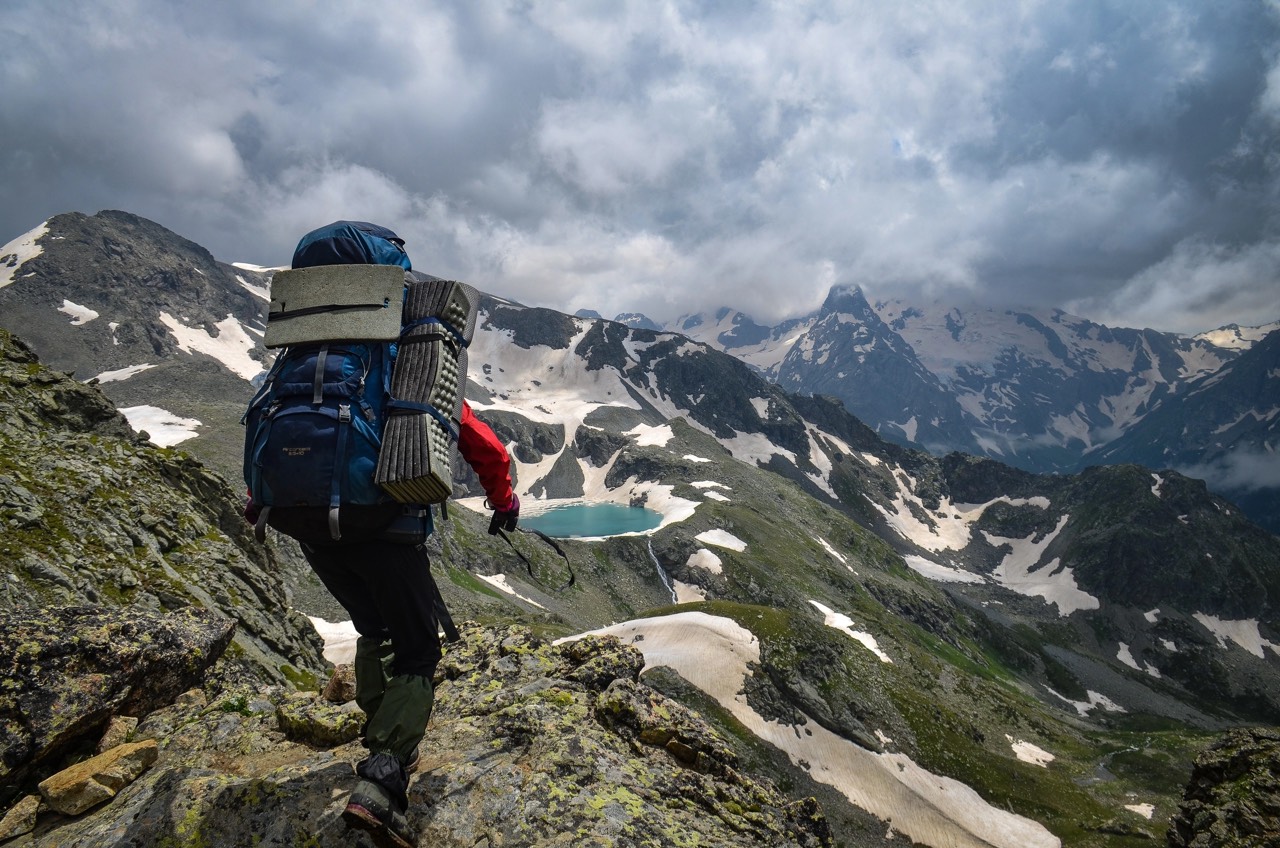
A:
(415, 464)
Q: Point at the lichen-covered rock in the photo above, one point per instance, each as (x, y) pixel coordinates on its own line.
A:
(97, 779)
(1233, 797)
(319, 722)
(21, 818)
(91, 514)
(519, 752)
(68, 670)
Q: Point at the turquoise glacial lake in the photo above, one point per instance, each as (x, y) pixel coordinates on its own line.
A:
(603, 519)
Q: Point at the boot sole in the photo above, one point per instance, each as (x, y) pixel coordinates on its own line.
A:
(358, 817)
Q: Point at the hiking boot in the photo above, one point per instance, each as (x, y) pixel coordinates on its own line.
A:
(371, 808)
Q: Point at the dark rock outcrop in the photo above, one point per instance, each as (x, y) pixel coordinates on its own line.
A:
(1233, 797)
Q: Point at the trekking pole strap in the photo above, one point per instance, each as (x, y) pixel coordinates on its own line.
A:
(573, 578)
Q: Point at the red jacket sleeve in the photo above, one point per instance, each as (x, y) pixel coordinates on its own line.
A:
(482, 450)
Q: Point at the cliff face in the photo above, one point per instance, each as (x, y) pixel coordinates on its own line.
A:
(90, 514)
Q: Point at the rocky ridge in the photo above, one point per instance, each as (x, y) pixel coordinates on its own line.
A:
(92, 514)
(530, 744)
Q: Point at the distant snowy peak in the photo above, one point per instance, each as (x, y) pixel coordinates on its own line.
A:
(637, 321)
(736, 333)
(1235, 337)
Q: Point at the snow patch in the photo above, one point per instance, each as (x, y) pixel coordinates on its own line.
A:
(499, 582)
(693, 458)
(722, 539)
(688, 593)
(716, 496)
(80, 315)
(703, 558)
(1243, 632)
(761, 406)
(122, 373)
(261, 292)
(842, 622)
(230, 347)
(834, 553)
(651, 436)
(707, 484)
(339, 639)
(1096, 701)
(18, 252)
(1029, 753)
(165, 428)
(941, 573)
(1019, 572)
(1144, 810)
(1155, 490)
(755, 448)
(1151, 615)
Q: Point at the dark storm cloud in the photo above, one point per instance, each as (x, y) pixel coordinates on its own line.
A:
(1116, 158)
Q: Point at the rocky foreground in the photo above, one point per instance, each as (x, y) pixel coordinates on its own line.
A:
(531, 744)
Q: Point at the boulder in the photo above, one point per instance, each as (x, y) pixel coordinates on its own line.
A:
(1233, 797)
(88, 784)
(68, 670)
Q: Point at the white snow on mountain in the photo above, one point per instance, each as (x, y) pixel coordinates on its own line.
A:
(499, 582)
(165, 428)
(80, 315)
(941, 573)
(949, 527)
(1243, 632)
(1029, 753)
(724, 334)
(123, 373)
(263, 292)
(1236, 337)
(715, 653)
(230, 346)
(703, 558)
(1096, 701)
(1022, 572)
(844, 624)
(722, 539)
(19, 251)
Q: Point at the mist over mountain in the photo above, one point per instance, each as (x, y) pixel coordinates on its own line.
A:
(950, 649)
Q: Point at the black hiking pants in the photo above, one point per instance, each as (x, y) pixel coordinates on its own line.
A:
(388, 590)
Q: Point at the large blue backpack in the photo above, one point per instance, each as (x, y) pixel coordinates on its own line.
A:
(314, 429)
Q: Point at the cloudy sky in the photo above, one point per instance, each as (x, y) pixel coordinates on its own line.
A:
(1119, 159)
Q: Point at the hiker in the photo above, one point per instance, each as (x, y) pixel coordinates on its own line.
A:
(381, 575)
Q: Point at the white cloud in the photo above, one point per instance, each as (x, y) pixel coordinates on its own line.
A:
(667, 158)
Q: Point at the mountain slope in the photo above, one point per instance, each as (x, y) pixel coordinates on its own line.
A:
(1224, 427)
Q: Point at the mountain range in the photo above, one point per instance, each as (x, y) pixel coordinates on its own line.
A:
(924, 643)
(1041, 390)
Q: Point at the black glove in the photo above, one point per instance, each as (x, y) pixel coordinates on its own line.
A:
(505, 519)
(251, 511)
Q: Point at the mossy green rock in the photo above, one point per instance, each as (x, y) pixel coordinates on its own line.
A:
(529, 745)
